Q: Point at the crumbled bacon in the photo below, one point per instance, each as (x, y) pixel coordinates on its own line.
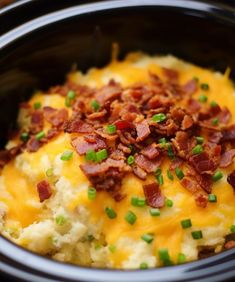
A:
(227, 158)
(193, 106)
(139, 172)
(201, 200)
(36, 121)
(109, 92)
(151, 151)
(229, 245)
(190, 87)
(91, 142)
(202, 163)
(77, 126)
(170, 74)
(148, 165)
(124, 125)
(55, 117)
(153, 195)
(229, 133)
(33, 145)
(44, 190)
(187, 122)
(7, 155)
(143, 130)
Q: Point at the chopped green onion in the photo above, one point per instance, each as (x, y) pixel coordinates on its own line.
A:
(181, 258)
(67, 102)
(130, 217)
(131, 147)
(203, 98)
(71, 94)
(199, 139)
(215, 121)
(144, 265)
(197, 235)
(213, 104)
(40, 135)
(169, 203)
(24, 136)
(162, 141)
(112, 248)
(179, 173)
(90, 237)
(196, 79)
(49, 172)
(110, 212)
(37, 105)
(217, 176)
(98, 246)
(67, 155)
(60, 220)
(154, 212)
(164, 255)
(232, 228)
(170, 151)
(111, 128)
(197, 150)
(138, 202)
(160, 179)
(186, 223)
(159, 117)
(170, 175)
(90, 155)
(212, 198)
(158, 172)
(205, 86)
(91, 193)
(101, 155)
(130, 160)
(148, 238)
(95, 105)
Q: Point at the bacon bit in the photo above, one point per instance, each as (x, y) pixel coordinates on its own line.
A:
(36, 122)
(139, 172)
(170, 74)
(159, 101)
(231, 179)
(190, 87)
(109, 92)
(124, 125)
(227, 158)
(176, 163)
(229, 245)
(153, 195)
(215, 137)
(183, 144)
(187, 122)
(229, 133)
(25, 105)
(77, 126)
(201, 200)
(190, 184)
(203, 180)
(101, 132)
(202, 163)
(143, 130)
(124, 149)
(44, 190)
(97, 115)
(193, 106)
(55, 117)
(7, 155)
(224, 116)
(146, 164)
(151, 151)
(82, 145)
(52, 132)
(33, 145)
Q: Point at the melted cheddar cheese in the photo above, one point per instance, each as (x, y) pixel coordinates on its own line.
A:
(19, 178)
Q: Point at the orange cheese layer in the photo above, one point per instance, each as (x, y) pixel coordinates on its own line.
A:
(166, 228)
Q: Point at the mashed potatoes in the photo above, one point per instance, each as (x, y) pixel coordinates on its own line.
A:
(73, 226)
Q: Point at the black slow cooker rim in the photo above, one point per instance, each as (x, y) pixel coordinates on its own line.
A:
(216, 268)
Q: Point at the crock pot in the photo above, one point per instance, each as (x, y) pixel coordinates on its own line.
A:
(39, 44)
